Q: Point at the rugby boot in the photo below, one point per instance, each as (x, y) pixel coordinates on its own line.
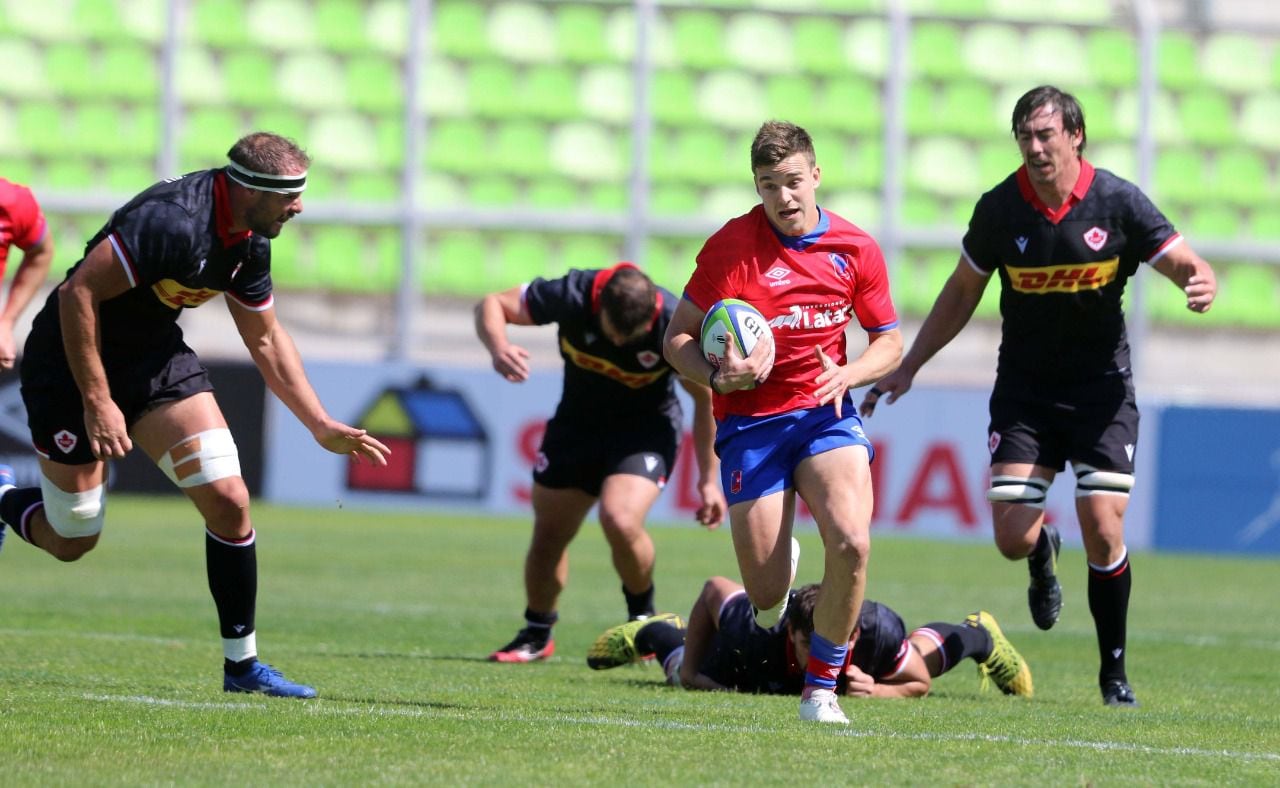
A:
(529, 645)
(266, 680)
(617, 645)
(821, 706)
(1004, 666)
(1044, 597)
(1117, 692)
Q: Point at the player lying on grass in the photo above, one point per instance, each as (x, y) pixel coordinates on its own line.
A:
(723, 648)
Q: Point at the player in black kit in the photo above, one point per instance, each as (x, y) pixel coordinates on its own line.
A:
(1065, 238)
(105, 367)
(725, 648)
(613, 437)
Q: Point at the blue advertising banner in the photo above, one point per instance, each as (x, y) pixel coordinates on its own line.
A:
(1219, 480)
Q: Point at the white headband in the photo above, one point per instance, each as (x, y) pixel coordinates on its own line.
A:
(266, 182)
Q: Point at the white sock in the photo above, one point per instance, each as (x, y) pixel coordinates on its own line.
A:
(240, 649)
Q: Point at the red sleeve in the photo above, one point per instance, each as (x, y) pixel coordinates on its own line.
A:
(872, 302)
(721, 269)
(28, 222)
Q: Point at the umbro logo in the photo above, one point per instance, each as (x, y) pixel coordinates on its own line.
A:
(779, 276)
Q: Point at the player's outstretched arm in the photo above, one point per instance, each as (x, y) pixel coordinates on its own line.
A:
(31, 273)
(713, 506)
(1192, 274)
(913, 681)
(493, 314)
(950, 313)
(278, 361)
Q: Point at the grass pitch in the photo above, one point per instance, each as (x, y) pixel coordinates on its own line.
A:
(110, 669)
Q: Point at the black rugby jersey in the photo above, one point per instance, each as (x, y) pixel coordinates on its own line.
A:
(173, 242)
(604, 383)
(1062, 273)
(750, 659)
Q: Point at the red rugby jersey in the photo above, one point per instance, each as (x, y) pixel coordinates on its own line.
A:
(21, 222)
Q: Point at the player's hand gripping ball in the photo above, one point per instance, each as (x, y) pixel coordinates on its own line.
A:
(731, 319)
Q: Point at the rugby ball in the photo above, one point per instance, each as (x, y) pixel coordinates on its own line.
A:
(731, 319)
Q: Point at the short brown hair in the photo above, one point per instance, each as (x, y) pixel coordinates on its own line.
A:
(777, 140)
(629, 298)
(800, 609)
(269, 153)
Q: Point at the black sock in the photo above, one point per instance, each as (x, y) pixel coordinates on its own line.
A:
(960, 642)
(14, 503)
(539, 624)
(233, 581)
(660, 639)
(1109, 604)
(1041, 556)
(640, 604)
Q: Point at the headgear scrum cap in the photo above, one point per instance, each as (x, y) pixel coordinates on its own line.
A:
(265, 182)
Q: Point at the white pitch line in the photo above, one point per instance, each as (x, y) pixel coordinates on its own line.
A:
(330, 708)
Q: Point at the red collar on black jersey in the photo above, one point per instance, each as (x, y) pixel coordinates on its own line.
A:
(222, 213)
(602, 278)
(1077, 192)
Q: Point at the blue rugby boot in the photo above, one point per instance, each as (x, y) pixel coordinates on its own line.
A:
(267, 680)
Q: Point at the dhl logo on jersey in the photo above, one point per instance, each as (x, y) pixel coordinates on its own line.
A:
(175, 296)
(1069, 278)
(633, 380)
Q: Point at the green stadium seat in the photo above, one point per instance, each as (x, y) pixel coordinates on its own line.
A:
(340, 27)
(277, 25)
(863, 208)
(388, 133)
(343, 141)
(920, 109)
(374, 187)
(523, 256)
(22, 72)
(819, 45)
(588, 151)
(249, 77)
(128, 71)
(71, 70)
(988, 49)
(286, 270)
(312, 80)
(442, 91)
(866, 46)
(934, 50)
(552, 194)
(864, 162)
(17, 170)
(550, 93)
(520, 148)
(458, 30)
(280, 120)
(580, 34)
(674, 200)
(732, 99)
(608, 197)
(100, 129)
(344, 261)
(920, 210)
(606, 93)
(1116, 157)
(1240, 177)
(457, 147)
(698, 38)
(1166, 304)
(458, 264)
(1235, 62)
(1264, 223)
(1177, 60)
(673, 98)
(996, 161)
(143, 21)
(1180, 176)
(127, 177)
(492, 89)
(943, 166)
(1250, 295)
(1218, 222)
(67, 174)
(388, 244)
(198, 77)
(1051, 52)
(589, 251)
(206, 136)
(1260, 119)
(523, 32)
(1165, 123)
(696, 156)
(796, 100)
(1112, 56)
(1099, 115)
(374, 84)
(42, 129)
(748, 35)
(438, 190)
(852, 104)
(968, 108)
(217, 23)
(971, 9)
(323, 183)
(387, 25)
(98, 20)
(48, 22)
